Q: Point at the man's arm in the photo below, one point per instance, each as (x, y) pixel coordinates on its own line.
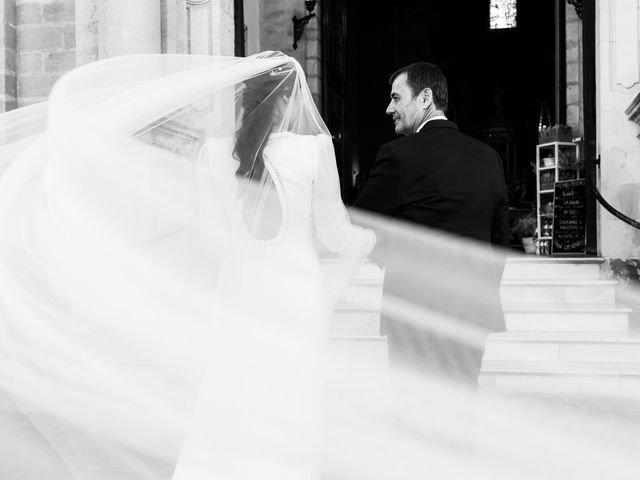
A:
(381, 192)
(500, 225)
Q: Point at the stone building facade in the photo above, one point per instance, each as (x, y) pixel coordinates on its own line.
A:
(42, 39)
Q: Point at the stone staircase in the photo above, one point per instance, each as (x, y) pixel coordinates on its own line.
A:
(356, 320)
(566, 335)
(358, 353)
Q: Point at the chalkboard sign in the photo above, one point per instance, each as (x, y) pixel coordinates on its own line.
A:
(569, 215)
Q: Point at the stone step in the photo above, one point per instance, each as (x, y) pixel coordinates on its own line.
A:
(360, 272)
(540, 267)
(355, 320)
(567, 317)
(563, 347)
(615, 381)
(369, 295)
(560, 368)
(359, 353)
(359, 285)
(558, 291)
(358, 369)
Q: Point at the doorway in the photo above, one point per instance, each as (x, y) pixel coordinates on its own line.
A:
(499, 80)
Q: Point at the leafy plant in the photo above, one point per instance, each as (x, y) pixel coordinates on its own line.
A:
(525, 226)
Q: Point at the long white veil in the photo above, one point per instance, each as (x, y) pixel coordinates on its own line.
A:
(115, 316)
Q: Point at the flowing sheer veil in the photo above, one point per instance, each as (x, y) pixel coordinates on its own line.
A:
(112, 243)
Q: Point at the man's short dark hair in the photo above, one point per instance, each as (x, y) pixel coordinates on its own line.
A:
(421, 75)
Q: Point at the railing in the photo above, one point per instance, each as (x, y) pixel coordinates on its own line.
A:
(607, 206)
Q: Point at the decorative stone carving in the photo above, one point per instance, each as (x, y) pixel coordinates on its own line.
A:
(633, 111)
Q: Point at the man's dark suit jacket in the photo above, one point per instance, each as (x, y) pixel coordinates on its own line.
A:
(441, 179)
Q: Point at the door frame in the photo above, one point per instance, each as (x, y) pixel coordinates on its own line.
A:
(590, 133)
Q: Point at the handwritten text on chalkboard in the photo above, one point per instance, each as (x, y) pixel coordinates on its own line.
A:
(569, 214)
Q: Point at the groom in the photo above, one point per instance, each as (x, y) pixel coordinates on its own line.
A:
(436, 177)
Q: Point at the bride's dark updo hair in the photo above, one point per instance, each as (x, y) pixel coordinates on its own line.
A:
(264, 103)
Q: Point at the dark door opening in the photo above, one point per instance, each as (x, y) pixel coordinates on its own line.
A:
(498, 79)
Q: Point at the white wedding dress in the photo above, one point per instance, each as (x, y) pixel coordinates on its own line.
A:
(272, 318)
(138, 312)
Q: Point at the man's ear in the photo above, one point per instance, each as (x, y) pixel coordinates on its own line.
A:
(427, 97)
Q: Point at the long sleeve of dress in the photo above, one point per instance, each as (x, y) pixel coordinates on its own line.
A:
(330, 217)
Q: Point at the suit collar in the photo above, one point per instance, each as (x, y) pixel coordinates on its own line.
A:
(435, 117)
(438, 124)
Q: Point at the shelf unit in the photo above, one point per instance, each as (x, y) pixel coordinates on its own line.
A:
(555, 162)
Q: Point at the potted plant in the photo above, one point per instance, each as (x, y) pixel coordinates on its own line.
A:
(524, 228)
(554, 133)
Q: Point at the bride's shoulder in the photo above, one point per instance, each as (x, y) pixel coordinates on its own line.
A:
(217, 143)
(217, 153)
(219, 146)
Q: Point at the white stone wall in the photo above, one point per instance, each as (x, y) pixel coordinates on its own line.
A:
(42, 39)
(618, 82)
(166, 31)
(8, 91)
(276, 33)
(86, 27)
(126, 27)
(45, 46)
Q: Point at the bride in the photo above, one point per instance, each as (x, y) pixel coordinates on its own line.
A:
(277, 181)
(160, 269)
(163, 314)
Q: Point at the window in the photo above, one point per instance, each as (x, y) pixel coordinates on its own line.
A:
(502, 14)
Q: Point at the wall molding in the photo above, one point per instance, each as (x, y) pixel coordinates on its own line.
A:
(624, 54)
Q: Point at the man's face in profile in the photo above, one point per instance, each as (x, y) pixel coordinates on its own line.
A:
(404, 107)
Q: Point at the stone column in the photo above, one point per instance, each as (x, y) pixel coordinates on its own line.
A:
(86, 25)
(174, 26)
(8, 92)
(210, 27)
(128, 27)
